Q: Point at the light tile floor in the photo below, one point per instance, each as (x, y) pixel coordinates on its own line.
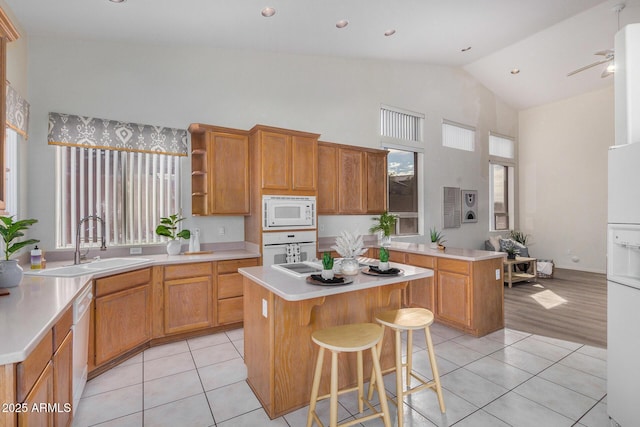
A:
(507, 378)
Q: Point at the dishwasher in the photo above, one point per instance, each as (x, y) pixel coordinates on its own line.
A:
(81, 315)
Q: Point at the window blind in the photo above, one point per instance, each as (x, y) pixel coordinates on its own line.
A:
(501, 146)
(458, 136)
(400, 124)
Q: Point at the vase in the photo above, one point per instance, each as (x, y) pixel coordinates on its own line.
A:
(350, 266)
(511, 256)
(386, 240)
(10, 274)
(434, 245)
(174, 247)
(383, 265)
(327, 274)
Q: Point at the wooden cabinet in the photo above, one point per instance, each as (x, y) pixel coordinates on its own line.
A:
(421, 292)
(41, 393)
(122, 313)
(285, 160)
(351, 180)
(219, 171)
(188, 297)
(229, 295)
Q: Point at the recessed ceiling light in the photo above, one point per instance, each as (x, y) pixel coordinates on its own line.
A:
(465, 49)
(389, 33)
(268, 12)
(117, 1)
(342, 23)
(515, 71)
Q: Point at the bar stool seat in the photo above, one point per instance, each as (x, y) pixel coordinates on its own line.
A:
(348, 338)
(409, 319)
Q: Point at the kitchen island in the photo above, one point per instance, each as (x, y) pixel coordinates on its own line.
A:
(280, 313)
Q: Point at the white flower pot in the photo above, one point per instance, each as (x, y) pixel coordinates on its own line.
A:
(383, 266)
(174, 247)
(434, 245)
(327, 274)
(10, 274)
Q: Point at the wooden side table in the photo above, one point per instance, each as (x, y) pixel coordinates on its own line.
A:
(512, 277)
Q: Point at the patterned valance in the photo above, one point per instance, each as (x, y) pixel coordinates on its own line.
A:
(17, 112)
(89, 132)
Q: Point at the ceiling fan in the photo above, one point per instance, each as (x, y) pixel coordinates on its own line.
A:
(608, 54)
(608, 70)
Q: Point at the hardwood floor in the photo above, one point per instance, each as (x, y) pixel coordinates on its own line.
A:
(570, 306)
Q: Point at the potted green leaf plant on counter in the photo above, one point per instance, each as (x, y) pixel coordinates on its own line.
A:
(10, 270)
(383, 264)
(327, 266)
(437, 238)
(168, 227)
(386, 225)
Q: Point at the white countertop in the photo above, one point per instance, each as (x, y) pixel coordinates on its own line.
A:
(33, 307)
(422, 249)
(292, 288)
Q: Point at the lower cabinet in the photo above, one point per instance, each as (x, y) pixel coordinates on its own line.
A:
(421, 292)
(454, 291)
(229, 290)
(188, 297)
(42, 392)
(63, 381)
(122, 313)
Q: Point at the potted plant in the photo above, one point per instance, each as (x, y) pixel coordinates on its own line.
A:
(511, 250)
(437, 238)
(10, 270)
(349, 247)
(327, 266)
(519, 237)
(168, 227)
(383, 264)
(386, 225)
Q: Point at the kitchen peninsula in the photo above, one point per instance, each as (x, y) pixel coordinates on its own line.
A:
(280, 313)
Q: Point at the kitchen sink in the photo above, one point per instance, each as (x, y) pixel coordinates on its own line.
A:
(98, 266)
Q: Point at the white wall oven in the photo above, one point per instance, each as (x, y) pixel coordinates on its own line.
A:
(288, 212)
(288, 247)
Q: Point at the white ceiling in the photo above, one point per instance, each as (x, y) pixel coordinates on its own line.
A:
(545, 39)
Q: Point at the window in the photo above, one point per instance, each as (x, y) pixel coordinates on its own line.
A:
(502, 182)
(11, 171)
(455, 135)
(401, 133)
(129, 190)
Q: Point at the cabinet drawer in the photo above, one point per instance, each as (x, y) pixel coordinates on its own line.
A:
(230, 310)
(29, 370)
(119, 282)
(229, 285)
(180, 271)
(453, 265)
(232, 266)
(421, 260)
(61, 328)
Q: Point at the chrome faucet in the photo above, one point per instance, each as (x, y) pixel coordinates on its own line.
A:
(103, 247)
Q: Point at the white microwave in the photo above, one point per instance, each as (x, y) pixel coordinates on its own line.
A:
(288, 212)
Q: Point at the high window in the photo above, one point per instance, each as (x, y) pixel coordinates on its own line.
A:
(458, 136)
(401, 133)
(501, 182)
(11, 171)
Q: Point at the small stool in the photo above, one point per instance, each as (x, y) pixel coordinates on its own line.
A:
(409, 319)
(348, 338)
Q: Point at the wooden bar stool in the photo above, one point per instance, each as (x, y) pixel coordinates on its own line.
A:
(348, 338)
(409, 319)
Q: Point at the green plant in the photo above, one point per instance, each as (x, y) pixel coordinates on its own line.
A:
(384, 254)
(11, 230)
(386, 223)
(511, 249)
(519, 237)
(437, 236)
(327, 261)
(168, 227)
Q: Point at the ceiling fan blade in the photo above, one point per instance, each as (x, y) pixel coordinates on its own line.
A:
(586, 67)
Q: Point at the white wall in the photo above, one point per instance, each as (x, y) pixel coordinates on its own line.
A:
(563, 179)
(337, 98)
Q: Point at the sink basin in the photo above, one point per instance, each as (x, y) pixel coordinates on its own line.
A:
(94, 267)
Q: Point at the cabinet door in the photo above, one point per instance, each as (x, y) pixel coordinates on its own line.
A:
(376, 182)
(40, 394)
(304, 151)
(454, 298)
(229, 172)
(327, 179)
(122, 321)
(187, 304)
(351, 181)
(276, 161)
(421, 292)
(62, 381)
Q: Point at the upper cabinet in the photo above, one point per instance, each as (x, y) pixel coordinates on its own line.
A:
(352, 180)
(285, 160)
(219, 170)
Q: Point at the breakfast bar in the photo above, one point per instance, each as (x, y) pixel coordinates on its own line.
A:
(281, 312)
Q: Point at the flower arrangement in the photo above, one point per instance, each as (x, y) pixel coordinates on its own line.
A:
(386, 224)
(348, 245)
